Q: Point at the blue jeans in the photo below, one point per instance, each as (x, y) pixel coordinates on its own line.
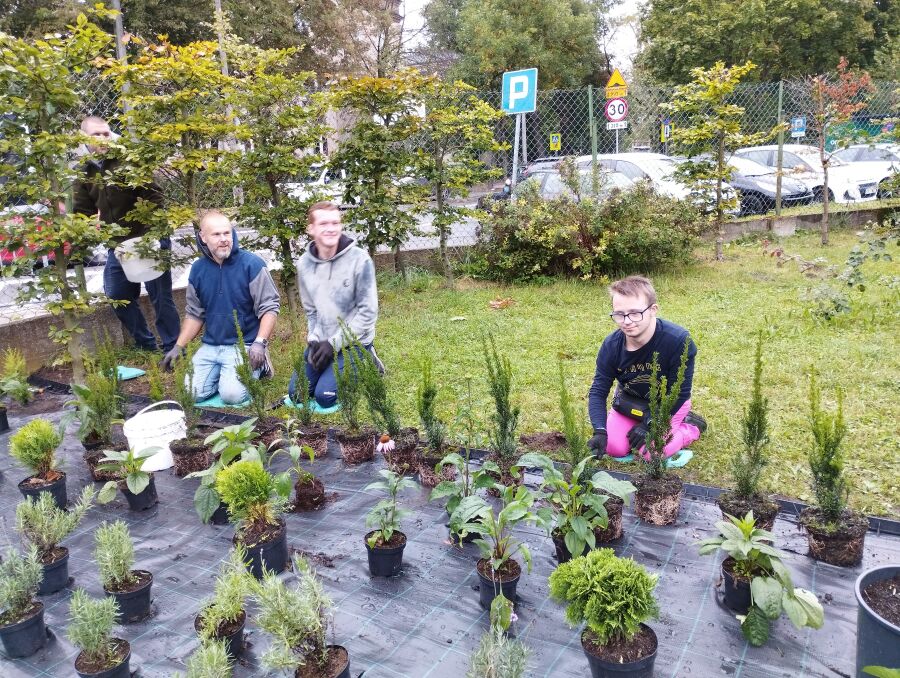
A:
(117, 286)
(214, 371)
(322, 385)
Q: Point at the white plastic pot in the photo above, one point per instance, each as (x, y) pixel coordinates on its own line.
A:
(135, 267)
(156, 428)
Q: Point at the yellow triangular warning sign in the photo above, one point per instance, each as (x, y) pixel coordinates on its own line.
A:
(616, 80)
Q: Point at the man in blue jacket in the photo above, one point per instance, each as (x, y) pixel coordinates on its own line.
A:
(226, 279)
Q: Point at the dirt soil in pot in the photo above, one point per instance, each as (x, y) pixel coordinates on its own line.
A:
(141, 579)
(269, 430)
(765, 510)
(506, 477)
(642, 645)
(507, 572)
(309, 494)
(119, 653)
(614, 507)
(842, 546)
(357, 448)
(190, 455)
(255, 535)
(225, 628)
(92, 459)
(397, 539)
(429, 478)
(884, 597)
(404, 458)
(337, 660)
(316, 436)
(657, 499)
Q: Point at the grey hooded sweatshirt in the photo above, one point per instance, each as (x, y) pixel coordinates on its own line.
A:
(342, 287)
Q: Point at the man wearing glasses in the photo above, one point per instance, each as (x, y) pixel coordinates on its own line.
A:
(626, 356)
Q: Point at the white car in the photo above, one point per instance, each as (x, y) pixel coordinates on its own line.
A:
(324, 183)
(653, 167)
(881, 158)
(846, 183)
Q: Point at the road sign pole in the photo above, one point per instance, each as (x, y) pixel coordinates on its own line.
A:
(515, 167)
(524, 143)
(780, 149)
(592, 128)
(617, 141)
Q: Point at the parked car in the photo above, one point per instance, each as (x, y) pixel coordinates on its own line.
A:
(553, 186)
(881, 158)
(845, 183)
(540, 165)
(324, 183)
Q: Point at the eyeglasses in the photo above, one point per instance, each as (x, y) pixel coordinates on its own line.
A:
(633, 316)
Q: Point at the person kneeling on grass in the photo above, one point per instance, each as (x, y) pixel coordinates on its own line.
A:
(337, 284)
(626, 356)
(226, 279)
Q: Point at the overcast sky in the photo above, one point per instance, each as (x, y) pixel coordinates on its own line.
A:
(623, 45)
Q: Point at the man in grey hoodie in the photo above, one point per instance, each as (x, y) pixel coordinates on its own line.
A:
(337, 283)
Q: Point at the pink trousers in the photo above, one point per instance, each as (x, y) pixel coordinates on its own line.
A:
(618, 426)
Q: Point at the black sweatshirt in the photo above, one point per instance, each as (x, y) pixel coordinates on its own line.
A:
(632, 368)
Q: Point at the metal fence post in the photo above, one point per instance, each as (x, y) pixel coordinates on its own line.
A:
(515, 167)
(780, 149)
(592, 129)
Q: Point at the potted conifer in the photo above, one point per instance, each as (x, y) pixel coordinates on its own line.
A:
(191, 453)
(431, 469)
(357, 442)
(613, 597)
(22, 629)
(114, 555)
(836, 534)
(13, 383)
(255, 502)
(98, 405)
(258, 390)
(90, 630)
(42, 523)
(658, 497)
(297, 619)
(504, 448)
(305, 427)
(223, 617)
(748, 463)
(34, 446)
(386, 542)
(137, 484)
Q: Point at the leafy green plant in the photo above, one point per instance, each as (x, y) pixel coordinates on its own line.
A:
(231, 589)
(498, 655)
(98, 405)
(20, 577)
(881, 672)
(612, 596)
(34, 446)
(747, 464)
(253, 497)
(386, 516)
(497, 543)
(114, 555)
(771, 589)
(577, 509)
(468, 480)
(126, 464)
(426, 397)
(226, 445)
(296, 618)
(295, 453)
(210, 660)
(506, 416)
(257, 389)
(14, 377)
(42, 523)
(661, 402)
(90, 627)
(826, 459)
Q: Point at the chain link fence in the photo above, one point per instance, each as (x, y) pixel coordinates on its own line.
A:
(566, 113)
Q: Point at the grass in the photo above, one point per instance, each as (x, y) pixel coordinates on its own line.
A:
(723, 304)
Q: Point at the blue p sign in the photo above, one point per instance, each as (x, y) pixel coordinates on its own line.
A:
(519, 91)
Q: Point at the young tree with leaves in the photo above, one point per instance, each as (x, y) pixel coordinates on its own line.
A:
(711, 130)
(39, 101)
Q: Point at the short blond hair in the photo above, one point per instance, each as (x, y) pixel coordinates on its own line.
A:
(324, 206)
(633, 286)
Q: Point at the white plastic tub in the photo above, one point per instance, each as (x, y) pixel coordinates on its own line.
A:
(137, 269)
(156, 428)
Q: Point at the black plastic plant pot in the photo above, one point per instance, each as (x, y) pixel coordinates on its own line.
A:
(133, 605)
(234, 641)
(640, 668)
(220, 515)
(562, 551)
(877, 639)
(146, 498)
(489, 589)
(737, 591)
(4, 420)
(120, 670)
(343, 651)
(25, 637)
(385, 561)
(56, 575)
(56, 488)
(271, 555)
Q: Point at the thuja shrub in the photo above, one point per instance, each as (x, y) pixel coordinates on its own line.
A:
(634, 230)
(247, 489)
(34, 446)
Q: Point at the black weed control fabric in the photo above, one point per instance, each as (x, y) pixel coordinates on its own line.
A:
(426, 622)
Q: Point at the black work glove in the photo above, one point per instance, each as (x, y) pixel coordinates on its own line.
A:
(637, 436)
(320, 355)
(169, 358)
(257, 355)
(597, 444)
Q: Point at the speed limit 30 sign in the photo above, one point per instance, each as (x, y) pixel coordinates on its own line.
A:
(616, 110)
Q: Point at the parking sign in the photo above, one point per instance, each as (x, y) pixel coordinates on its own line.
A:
(798, 127)
(519, 91)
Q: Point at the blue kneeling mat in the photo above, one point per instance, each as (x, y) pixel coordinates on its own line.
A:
(216, 401)
(677, 460)
(313, 405)
(126, 373)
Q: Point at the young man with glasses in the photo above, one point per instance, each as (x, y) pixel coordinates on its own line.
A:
(625, 357)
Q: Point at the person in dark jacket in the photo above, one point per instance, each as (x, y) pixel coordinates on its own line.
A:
(98, 194)
(625, 357)
(226, 279)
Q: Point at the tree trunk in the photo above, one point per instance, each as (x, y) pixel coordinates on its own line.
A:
(288, 277)
(825, 204)
(720, 226)
(69, 317)
(399, 262)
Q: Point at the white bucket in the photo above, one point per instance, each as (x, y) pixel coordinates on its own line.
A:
(135, 267)
(156, 429)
